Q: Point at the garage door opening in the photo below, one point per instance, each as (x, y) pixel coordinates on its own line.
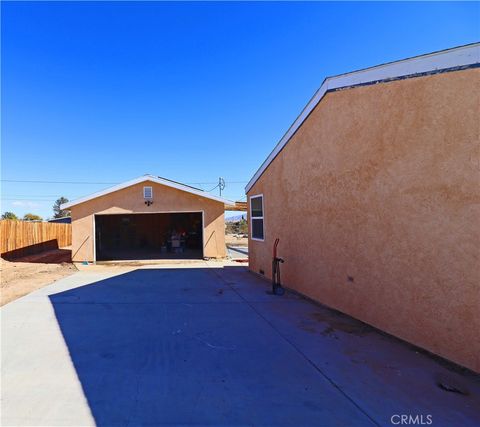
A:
(149, 236)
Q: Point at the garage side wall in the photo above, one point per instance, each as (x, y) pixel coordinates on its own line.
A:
(376, 203)
(130, 200)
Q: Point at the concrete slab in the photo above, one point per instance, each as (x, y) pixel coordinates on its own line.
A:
(205, 345)
(237, 252)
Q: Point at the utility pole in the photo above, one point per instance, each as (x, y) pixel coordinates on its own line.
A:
(221, 185)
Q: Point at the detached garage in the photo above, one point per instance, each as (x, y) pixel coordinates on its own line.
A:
(148, 218)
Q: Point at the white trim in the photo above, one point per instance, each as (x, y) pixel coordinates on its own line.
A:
(151, 192)
(256, 196)
(142, 213)
(151, 178)
(450, 58)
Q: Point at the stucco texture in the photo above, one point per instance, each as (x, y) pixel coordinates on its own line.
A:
(130, 200)
(375, 200)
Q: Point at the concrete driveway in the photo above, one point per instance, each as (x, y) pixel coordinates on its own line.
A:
(237, 252)
(205, 345)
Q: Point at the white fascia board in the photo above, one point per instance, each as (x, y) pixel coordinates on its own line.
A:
(451, 58)
(150, 178)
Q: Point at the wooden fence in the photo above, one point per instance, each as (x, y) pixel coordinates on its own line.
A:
(20, 238)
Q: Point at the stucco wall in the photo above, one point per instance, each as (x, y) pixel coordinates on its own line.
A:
(130, 200)
(376, 204)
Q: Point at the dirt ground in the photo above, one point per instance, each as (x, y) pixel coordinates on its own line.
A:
(27, 274)
(236, 240)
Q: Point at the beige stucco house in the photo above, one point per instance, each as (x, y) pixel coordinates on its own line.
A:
(148, 218)
(374, 193)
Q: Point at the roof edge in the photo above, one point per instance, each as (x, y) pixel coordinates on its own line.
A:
(430, 62)
(151, 178)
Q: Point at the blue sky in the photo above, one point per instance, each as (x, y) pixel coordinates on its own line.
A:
(106, 92)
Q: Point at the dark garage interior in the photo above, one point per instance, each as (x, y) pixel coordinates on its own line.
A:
(149, 236)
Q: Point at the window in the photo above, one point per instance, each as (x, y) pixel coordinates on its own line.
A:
(256, 217)
(147, 192)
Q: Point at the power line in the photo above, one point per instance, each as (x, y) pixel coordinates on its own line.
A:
(46, 197)
(56, 196)
(33, 199)
(209, 191)
(104, 183)
(57, 182)
(30, 195)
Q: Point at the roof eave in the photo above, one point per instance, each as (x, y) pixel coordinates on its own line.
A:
(436, 61)
(146, 178)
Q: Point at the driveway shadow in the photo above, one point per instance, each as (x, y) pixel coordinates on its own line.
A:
(180, 346)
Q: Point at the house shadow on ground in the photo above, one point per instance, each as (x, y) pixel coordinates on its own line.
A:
(181, 346)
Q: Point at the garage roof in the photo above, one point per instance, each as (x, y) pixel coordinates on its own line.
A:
(446, 60)
(149, 178)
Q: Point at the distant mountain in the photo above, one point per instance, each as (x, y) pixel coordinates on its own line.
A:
(236, 218)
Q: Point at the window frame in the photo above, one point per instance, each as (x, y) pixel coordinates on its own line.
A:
(151, 192)
(256, 196)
